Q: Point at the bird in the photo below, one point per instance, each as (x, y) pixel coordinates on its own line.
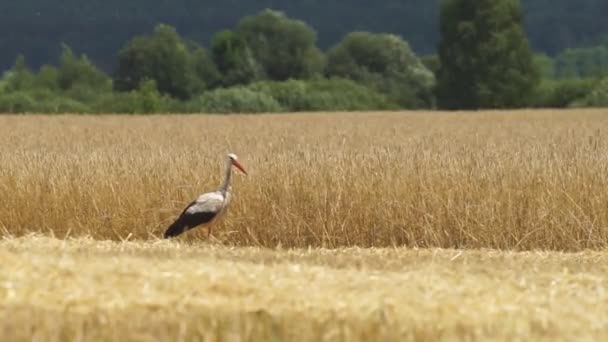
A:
(208, 207)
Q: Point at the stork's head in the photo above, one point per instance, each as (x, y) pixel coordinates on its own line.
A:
(234, 160)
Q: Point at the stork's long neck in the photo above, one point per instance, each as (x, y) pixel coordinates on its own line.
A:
(227, 177)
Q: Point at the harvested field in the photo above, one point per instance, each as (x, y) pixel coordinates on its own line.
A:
(83, 289)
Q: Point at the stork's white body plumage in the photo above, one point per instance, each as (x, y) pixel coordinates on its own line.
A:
(208, 207)
(210, 202)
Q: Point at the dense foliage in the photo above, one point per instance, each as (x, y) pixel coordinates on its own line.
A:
(485, 59)
(285, 48)
(386, 63)
(271, 62)
(99, 28)
(163, 57)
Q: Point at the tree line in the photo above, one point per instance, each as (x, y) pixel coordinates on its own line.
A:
(270, 62)
(99, 28)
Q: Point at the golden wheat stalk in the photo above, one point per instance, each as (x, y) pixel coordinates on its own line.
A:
(522, 179)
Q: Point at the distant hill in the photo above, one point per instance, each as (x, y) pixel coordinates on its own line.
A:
(99, 28)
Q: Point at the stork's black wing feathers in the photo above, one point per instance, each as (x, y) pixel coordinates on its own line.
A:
(187, 221)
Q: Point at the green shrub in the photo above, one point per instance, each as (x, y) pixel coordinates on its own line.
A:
(17, 102)
(84, 94)
(60, 105)
(343, 94)
(40, 101)
(234, 100)
(115, 102)
(598, 97)
(291, 95)
(264, 96)
(144, 100)
(562, 93)
(323, 95)
(128, 103)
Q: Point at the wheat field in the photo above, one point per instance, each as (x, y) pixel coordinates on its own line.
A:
(416, 226)
(521, 180)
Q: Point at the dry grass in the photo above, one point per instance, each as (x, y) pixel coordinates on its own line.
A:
(66, 290)
(524, 180)
(505, 180)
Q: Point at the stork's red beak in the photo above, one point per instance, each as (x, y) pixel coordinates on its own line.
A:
(239, 166)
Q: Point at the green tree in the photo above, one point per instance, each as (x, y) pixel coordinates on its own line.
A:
(19, 77)
(431, 62)
(163, 57)
(48, 78)
(77, 71)
(384, 62)
(486, 61)
(545, 65)
(582, 62)
(234, 59)
(552, 25)
(562, 93)
(204, 68)
(596, 97)
(284, 47)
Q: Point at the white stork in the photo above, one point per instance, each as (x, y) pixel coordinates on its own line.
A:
(207, 207)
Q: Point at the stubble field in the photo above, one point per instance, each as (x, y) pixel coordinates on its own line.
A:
(362, 226)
